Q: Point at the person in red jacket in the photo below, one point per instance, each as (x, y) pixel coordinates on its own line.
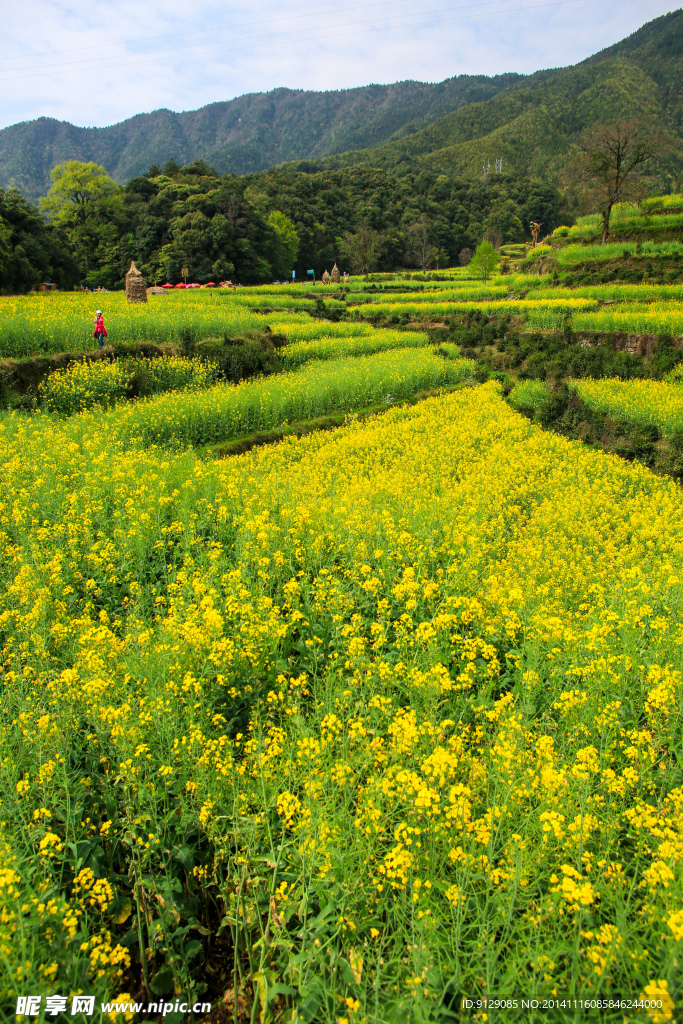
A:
(100, 332)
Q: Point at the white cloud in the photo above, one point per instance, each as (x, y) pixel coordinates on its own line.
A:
(96, 62)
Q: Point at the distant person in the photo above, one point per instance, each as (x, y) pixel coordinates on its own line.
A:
(100, 332)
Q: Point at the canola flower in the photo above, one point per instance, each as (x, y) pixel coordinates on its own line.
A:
(295, 288)
(84, 384)
(232, 410)
(466, 292)
(653, 206)
(571, 254)
(295, 328)
(57, 322)
(281, 300)
(448, 277)
(653, 215)
(36, 324)
(54, 322)
(646, 402)
(616, 292)
(663, 204)
(402, 700)
(528, 394)
(526, 308)
(620, 211)
(659, 317)
(337, 347)
(392, 283)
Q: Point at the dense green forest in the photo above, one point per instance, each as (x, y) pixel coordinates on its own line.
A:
(260, 227)
(247, 134)
(30, 249)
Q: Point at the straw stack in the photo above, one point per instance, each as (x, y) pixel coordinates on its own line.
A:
(136, 286)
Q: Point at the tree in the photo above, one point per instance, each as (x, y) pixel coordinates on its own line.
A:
(89, 205)
(78, 192)
(612, 156)
(288, 242)
(223, 269)
(484, 261)
(420, 248)
(31, 250)
(362, 248)
(503, 224)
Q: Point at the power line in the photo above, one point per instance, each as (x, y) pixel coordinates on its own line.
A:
(278, 35)
(276, 41)
(225, 28)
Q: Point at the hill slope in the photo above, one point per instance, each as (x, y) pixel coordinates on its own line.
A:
(244, 135)
(534, 125)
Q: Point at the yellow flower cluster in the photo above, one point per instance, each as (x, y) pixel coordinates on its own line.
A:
(658, 317)
(68, 934)
(644, 292)
(355, 345)
(527, 308)
(84, 384)
(647, 402)
(572, 254)
(400, 699)
(64, 323)
(231, 410)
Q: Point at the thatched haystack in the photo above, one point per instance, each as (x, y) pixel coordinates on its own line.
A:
(335, 275)
(156, 290)
(136, 286)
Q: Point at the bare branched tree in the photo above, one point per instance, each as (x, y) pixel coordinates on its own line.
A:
(612, 164)
(362, 248)
(420, 250)
(234, 209)
(495, 236)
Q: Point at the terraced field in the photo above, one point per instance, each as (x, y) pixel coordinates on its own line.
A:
(362, 723)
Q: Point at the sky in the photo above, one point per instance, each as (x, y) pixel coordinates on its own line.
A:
(97, 62)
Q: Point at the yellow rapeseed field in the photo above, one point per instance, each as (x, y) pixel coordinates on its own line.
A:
(84, 384)
(647, 402)
(345, 729)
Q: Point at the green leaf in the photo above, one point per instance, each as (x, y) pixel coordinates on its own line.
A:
(122, 911)
(162, 982)
(185, 855)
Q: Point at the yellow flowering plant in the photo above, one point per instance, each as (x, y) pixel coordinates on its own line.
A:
(382, 713)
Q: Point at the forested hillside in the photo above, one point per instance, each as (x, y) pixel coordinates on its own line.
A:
(534, 126)
(417, 201)
(32, 251)
(243, 135)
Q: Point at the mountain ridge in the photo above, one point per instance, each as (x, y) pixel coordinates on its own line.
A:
(531, 122)
(534, 125)
(244, 135)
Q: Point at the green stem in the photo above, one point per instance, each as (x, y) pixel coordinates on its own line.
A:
(141, 945)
